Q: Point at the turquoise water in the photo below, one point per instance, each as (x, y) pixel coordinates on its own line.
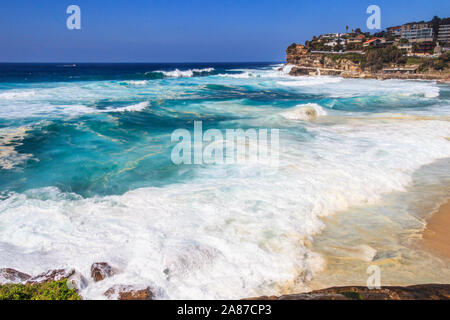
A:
(86, 173)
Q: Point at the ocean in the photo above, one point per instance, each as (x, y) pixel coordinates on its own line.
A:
(86, 175)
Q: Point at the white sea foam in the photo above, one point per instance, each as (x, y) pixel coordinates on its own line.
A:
(243, 75)
(276, 72)
(287, 68)
(133, 108)
(230, 233)
(337, 87)
(37, 110)
(10, 138)
(310, 81)
(136, 82)
(186, 73)
(17, 94)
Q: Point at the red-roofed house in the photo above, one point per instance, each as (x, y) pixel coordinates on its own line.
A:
(374, 42)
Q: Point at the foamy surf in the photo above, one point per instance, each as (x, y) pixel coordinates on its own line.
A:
(310, 81)
(105, 189)
(10, 139)
(307, 112)
(132, 108)
(185, 73)
(138, 231)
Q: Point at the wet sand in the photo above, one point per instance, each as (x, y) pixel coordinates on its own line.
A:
(436, 236)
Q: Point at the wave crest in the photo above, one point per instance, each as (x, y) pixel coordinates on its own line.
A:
(185, 73)
(305, 112)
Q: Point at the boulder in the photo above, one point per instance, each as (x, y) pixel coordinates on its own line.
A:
(101, 270)
(11, 276)
(52, 275)
(122, 292)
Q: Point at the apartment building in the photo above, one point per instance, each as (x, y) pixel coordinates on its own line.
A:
(395, 31)
(444, 33)
(417, 32)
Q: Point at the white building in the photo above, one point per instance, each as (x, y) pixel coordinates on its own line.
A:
(418, 34)
(335, 42)
(444, 33)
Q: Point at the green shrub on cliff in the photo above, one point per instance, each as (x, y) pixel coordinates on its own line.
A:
(377, 58)
(353, 57)
(54, 290)
(439, 64)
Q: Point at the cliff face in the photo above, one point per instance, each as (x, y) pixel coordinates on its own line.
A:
(318, 64)
(349, 65)
(341, 64)
(298, 55)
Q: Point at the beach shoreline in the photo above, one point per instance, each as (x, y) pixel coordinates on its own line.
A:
(436, 236)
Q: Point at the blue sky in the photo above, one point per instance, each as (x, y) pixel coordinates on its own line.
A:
(185, 30)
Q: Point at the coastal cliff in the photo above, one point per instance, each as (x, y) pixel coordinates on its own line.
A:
(357, 65)
(306, 63)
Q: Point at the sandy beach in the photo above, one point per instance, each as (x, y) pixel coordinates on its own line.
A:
(436, 236)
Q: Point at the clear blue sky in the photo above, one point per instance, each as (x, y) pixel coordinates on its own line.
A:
(185, 30)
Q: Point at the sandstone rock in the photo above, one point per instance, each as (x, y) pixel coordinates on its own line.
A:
(121, 292)
(101, 270)
(304, 296)
(315, 296)
(418, 292)
(11, 276)
(52, 275)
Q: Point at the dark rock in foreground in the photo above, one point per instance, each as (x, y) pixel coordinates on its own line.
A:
(417, 292)
(101, 271)
(52, 275)
(121, 292)
(8, 275)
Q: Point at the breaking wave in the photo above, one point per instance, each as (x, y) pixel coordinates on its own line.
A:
(305, 112)
(185, 73)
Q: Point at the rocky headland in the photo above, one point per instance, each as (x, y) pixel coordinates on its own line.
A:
(354, 65)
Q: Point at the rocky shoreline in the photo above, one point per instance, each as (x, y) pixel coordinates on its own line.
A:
(72, 280)
(306, 63)
(416, 292)
(9, 278)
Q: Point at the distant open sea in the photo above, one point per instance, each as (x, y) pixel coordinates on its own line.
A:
(86, 176)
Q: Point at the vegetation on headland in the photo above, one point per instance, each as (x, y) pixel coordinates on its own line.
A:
(351, 295)
(53, 290)
(442, 63)
(393, 51)
(376, 59)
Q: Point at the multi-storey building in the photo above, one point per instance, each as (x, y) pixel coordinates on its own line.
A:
(395, 31)
(414, 26)
(444, 33)
(417, 32)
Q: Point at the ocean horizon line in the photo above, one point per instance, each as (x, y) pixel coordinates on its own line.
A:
(206, 62)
